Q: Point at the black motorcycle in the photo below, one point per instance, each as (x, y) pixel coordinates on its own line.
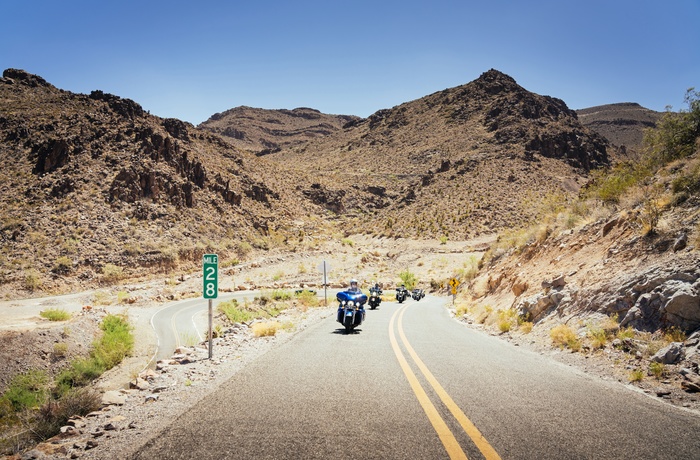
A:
(417, 294)
(401, 294)
(375, 297)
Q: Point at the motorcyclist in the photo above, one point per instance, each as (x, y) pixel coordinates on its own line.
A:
(354, 287)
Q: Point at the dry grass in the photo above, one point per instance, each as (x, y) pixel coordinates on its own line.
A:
(564, 336)
(266, 329)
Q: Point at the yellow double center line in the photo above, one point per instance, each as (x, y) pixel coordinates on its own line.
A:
(453, 448)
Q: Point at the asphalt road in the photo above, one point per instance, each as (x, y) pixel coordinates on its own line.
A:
(186, 322)
(414, 383)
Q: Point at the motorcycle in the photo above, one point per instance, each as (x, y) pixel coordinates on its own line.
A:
(375, 298)
(401, 294)
(417, 294)
(351, 309)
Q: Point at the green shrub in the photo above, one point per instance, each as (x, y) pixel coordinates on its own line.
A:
(307, 298)
(657, 369)
(27, 390)
(116, 343)
(408, 279)
(55, 314)
(234, 312)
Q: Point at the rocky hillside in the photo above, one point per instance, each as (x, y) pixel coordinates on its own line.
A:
(264, 131)
(622, 124)
(94, 189)
(457, 163)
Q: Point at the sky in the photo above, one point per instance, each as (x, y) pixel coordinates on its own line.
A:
(192, 59)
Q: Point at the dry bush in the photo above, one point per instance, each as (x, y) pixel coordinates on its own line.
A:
(563, 336)
(266, 329)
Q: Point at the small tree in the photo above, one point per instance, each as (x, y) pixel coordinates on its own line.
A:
(675, 134)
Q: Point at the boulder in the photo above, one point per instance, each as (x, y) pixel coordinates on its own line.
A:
(670, 354)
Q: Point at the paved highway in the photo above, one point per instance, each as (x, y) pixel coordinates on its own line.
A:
(412, 382)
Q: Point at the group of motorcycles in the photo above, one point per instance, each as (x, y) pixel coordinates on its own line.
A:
(351, 304)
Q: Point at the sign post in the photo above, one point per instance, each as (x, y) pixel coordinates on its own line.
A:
(211, 290)
(325, 267)
(454, 282)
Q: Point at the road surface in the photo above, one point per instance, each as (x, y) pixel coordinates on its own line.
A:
(412, 383)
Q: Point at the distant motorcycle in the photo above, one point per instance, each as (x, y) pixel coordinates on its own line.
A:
(351, 309)
(375, 297)
(417, 294)
(401, 294)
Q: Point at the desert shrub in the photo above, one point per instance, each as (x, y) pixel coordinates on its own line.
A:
(280, 295)
(234, 313)
(27, 390)
(307, 298)
(116, 343)
(506, 318)
(563, 336)
(408, 279)
(526, 327)
(266, 329)
(636, 375)
(443, 239)
(63, 265)
(261, 243)
(687, 183)
(60, 349)
(462, 309)
(674, 334)
(625, 333)
(243, 248)
(55, 413)
(598, 337)
(112, 273)
(32, 280)
(55, 314)
(656, 369)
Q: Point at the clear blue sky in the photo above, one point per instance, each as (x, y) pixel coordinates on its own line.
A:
(191, 59)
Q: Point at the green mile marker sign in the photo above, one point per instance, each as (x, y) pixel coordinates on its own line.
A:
(211, 276)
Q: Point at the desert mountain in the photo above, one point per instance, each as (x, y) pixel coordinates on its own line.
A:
(93, 187)
(457, 163)
(622, 124)
(264, 131)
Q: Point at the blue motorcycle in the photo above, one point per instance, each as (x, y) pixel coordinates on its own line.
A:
(351, 309)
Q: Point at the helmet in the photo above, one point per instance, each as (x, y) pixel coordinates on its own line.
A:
(353, 281)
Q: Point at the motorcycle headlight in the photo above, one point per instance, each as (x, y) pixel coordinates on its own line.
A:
(351, 303)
